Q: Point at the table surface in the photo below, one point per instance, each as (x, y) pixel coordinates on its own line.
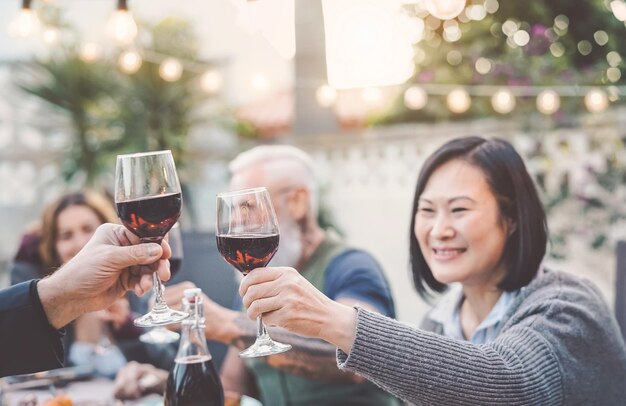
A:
(96, 392)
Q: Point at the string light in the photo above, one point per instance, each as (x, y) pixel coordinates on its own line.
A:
(89, 52)
(445, 9)
(483, 65)
(130, 62)
(367, 44)
(548, 102)
(521, 38)
(122, 26)
(171, 69)
(26, 23)
(601, 37)
(372, 95)
(476, 12)
(503, 101)
(51, 36)
(415, 98)
(211, 81)
(613, 74)
(326, 95)
(618, 8)
(260, 83)
(459, 101)
(596, 100)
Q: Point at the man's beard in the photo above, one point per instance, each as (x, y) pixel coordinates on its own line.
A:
(290, 245)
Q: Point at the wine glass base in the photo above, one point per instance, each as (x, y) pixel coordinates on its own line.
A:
(264, 347)
(154, 319)
(159, 335)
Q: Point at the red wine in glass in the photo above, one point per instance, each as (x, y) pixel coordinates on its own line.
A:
(194, 381)
(148, 201)
(152, 217)
(247, 251)
(247, 236)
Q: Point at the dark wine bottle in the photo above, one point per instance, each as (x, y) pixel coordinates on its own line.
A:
(193, 381)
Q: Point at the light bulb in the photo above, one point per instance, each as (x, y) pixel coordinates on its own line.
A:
(326, 95)
(51, 36)
(483, 65)
(122, 26)
(367, 43)
(459, 101)
(260, 83)
(211, 81)
(445, 9)
(372, 95)
(130, 62)
(503, 101)
(596, 100)
(89, 52)
(619, 9)
(25, 23)
(548, 102)
(171, 69)
(521, 38)
(415, 98)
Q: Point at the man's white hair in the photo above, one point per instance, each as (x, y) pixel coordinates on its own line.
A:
(283, 161)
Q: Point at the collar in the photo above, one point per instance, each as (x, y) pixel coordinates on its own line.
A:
(447, 314)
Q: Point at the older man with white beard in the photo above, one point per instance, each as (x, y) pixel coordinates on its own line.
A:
(307, 374)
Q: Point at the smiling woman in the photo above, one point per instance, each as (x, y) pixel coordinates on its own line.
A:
(508, 332)
(458, 226)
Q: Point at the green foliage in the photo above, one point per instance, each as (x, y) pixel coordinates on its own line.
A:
(112, 112)
(74, 88)
(531, 65)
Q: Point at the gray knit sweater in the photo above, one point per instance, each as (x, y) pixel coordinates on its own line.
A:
(559, 345)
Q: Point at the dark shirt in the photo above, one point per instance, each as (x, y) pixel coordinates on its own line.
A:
(356, 275)
(28, 343)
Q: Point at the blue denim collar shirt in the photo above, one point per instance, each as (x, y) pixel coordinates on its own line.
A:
(447, 313)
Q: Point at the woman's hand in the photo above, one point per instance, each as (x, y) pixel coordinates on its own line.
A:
(286, 299)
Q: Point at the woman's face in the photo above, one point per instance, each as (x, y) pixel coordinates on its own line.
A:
(458, 226)
(75, 226)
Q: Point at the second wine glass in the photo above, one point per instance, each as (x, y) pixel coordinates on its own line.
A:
(148, 201)
(247, 237)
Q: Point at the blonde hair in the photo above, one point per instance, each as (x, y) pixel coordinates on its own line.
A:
(100, 205)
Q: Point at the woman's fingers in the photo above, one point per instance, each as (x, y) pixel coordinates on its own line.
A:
(263, 306)
(261, 275)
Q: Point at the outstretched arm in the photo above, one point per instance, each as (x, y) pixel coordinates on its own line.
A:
(310, 357)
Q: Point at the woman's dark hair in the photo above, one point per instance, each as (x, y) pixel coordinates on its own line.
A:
(518, 201)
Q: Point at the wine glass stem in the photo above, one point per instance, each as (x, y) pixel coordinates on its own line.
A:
(261, 332)
(159, 302)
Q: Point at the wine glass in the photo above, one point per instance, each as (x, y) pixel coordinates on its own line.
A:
(247, 238)
(161, 335)
(148, 202)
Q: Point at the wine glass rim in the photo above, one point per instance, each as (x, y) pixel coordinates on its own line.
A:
(139, 154)
(243, 191)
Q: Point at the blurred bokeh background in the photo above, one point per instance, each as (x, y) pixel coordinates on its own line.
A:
(368, 88)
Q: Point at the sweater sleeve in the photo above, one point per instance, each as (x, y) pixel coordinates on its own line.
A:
(426, 368)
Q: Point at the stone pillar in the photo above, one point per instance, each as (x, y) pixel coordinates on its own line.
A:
(310, 71)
